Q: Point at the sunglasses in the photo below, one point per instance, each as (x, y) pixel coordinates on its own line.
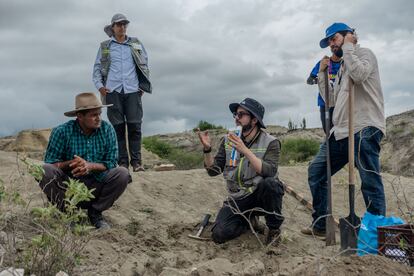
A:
(240, 114)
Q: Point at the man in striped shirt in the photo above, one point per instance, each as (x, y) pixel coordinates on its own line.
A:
(85, 149)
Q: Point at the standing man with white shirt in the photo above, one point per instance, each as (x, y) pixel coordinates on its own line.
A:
(360, 67)
(121, 75)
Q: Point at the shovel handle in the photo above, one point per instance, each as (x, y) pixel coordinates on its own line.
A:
(351, 149)
(205, 220)
(351, 141)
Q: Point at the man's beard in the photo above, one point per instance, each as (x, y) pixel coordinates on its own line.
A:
(337, 50)
(247, 127)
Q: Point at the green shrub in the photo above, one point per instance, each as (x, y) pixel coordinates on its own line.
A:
(181, 159)
(49, 240)
(186, 160)
(204, 125)
(157, 146)
(298, 150)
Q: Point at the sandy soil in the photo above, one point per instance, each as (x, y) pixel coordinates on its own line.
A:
(153, 218)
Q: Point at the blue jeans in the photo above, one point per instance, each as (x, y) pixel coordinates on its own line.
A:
(367, 149)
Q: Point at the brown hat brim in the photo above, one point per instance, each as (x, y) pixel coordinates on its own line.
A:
(72, 113)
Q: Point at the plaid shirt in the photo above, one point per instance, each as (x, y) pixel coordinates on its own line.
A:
(68, 140)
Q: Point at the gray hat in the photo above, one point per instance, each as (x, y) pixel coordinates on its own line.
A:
(115, 19)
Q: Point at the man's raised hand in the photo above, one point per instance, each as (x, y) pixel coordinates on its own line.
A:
(204, 138)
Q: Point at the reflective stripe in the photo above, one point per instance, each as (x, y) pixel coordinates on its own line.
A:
(242, 178)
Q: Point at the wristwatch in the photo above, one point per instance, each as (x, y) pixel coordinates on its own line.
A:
(207, 150)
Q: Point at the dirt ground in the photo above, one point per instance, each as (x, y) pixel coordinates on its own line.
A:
(152, 220)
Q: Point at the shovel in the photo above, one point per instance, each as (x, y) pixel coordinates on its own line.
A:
(201, 228)
(349, 226)
(330, 223)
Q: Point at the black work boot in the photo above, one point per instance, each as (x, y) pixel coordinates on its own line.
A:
(272, 236)
(258, 226)
(97, 220)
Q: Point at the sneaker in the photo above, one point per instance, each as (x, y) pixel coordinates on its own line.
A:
(138, 168)
(313, 232)
(97, 220)
(272, 236)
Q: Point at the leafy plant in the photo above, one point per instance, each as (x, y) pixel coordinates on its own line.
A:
(54, 239)
(296, 150)
(157, 146)
(181, 159)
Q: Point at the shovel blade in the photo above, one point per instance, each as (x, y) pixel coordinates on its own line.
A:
(330, 231)
(349, 228)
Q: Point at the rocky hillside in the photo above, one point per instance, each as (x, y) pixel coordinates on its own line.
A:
(397, 154)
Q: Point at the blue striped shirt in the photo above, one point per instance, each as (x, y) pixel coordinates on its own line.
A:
(122, 71)
(68, 140)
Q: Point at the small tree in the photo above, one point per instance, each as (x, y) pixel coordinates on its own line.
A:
(303, 124)
(292, 125)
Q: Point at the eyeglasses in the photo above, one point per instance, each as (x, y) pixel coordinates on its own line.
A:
(240, 114)
(121, 24)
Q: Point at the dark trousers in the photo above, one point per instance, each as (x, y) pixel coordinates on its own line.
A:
(106, 191)
(126, 113)
(367, 149)
(323, 117)
(268, 196)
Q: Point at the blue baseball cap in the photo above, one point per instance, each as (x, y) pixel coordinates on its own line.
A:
(332, 30)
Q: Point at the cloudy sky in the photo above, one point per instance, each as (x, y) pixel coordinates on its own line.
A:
(203, 54)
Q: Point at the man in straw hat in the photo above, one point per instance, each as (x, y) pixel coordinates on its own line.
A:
(251, 176)
(85, 149)
(121, 75)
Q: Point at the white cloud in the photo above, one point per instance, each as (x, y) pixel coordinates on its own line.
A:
(203, 55)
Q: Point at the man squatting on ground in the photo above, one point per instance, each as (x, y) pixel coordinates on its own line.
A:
(359, 65)
(121, 75)
(253, 182)
(85, 149)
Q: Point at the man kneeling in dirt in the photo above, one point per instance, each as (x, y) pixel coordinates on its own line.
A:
(85, 149)
(251, 177)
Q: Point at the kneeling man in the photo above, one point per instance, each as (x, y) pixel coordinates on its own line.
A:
(251, 177)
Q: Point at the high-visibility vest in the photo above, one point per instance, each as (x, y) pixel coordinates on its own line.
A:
(243, 179)
(141, 65)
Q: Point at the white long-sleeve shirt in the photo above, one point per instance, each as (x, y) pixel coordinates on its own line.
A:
(360, 64)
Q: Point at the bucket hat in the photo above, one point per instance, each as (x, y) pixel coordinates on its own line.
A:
(251, 105)
(119, 17)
